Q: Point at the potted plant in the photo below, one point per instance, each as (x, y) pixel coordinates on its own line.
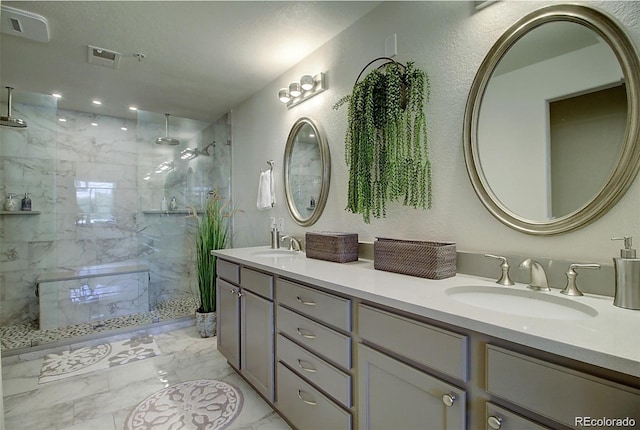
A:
(212, 233)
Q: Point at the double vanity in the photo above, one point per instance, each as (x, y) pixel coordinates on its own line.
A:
(345, 346)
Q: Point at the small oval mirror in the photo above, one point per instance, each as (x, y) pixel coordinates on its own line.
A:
(307, 170)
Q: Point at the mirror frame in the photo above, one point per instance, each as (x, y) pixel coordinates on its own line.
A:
(628, 164)
(325, 159)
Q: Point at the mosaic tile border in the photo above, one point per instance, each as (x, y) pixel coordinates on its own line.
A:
(28, 335)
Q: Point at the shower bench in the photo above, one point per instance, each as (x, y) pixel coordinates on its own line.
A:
(92, 293)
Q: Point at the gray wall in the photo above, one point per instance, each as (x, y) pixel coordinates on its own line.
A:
(448, 40)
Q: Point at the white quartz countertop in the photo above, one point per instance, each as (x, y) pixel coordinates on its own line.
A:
(610, 339)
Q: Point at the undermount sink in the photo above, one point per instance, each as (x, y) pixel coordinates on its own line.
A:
(524, 303)
(275, 253)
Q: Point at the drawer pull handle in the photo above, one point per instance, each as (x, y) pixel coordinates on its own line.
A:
(308, 402)
(305, 302)
(448, 400)
(306, 369)
(308, 336)
(494, 422)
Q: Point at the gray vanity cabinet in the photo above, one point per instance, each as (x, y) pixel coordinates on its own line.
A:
(394, 394)
(256, 330)
(245, 323)
(314, 357)
(325, 360)
(558, 393)
(228, 321)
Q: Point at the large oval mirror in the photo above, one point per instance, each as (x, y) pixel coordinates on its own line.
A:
(551, 131)
(307, 170)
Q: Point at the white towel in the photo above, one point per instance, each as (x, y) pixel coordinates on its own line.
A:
(266, 191)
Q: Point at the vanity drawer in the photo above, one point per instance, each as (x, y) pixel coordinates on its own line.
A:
(305, 406)
(257, 282)
(322, 340)
(503, 419)
(228, 271)
(333, 381)
(557, 392)
(328, 308)
(430, 346)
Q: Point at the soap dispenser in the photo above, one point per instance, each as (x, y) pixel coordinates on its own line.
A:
(627, 272)
(10, 203)
(26, 202)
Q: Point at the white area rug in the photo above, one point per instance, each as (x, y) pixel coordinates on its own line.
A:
(200, 404)
(92, 358)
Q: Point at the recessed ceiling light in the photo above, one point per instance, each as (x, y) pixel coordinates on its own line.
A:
(94, 124)
(96, 102)
(62, 119)
(57, 95)
(133, 108)
(123, 128)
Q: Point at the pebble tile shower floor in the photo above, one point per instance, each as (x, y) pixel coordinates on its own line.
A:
(27, 335)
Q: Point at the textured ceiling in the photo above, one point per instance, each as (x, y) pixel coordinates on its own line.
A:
(201, 58)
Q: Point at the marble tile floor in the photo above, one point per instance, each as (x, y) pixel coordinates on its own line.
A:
(102, 400)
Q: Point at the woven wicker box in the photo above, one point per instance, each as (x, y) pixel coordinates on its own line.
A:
(433, 260)
(330, 246)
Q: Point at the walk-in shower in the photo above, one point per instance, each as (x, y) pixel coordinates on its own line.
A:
(105, 253)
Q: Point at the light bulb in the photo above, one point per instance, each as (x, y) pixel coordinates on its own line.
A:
(307, 83)
(283, 95)
(294, 89)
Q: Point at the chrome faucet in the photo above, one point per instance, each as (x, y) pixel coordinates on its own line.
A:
(294, 244)
(538, 281)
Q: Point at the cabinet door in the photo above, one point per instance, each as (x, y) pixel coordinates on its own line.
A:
(257, 360)
(228, 315)
(392, 395)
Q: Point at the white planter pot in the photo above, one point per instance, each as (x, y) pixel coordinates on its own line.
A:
(206, 323)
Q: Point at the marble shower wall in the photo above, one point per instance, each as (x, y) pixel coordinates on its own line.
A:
(96, 189)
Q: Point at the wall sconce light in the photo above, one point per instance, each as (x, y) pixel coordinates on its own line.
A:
(298, 92)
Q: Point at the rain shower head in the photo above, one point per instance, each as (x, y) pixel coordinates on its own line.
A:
(166, 140)
(9, 121)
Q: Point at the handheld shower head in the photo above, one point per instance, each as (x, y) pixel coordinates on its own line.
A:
(9, 121)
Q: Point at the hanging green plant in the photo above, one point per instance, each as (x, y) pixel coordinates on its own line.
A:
(386, 147)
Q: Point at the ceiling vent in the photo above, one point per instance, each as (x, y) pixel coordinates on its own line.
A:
(25, 24)
(104, 57)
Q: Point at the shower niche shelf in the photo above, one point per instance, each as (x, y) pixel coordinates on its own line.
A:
(160, 212)
(19, 212)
